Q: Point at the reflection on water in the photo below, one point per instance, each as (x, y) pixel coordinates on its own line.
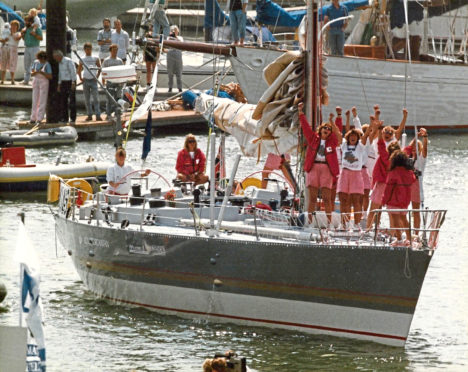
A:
(88, 334)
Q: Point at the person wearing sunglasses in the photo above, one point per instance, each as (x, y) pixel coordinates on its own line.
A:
(321, 161)
(191, 162)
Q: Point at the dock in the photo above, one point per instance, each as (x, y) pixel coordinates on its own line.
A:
(92, 130)
(21, 95)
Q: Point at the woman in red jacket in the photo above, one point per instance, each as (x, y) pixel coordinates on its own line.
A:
(321, 161)
(191, 162)
(381, 167)
(397, 194)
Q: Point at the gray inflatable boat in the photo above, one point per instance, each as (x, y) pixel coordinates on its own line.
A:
(42, 137)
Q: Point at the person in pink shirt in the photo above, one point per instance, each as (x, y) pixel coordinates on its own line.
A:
(41, 71)
(397, 194)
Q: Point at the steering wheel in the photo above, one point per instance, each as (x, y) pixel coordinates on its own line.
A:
(157, 177)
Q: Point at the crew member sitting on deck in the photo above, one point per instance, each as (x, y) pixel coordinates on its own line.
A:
(118, 183)
(191, 162)
(321, 161)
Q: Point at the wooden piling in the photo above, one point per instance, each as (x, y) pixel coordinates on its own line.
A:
(56, 39)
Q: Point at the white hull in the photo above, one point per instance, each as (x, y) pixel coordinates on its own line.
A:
(435, 94)
(372, 325)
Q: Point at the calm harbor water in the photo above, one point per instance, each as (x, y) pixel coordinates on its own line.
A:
(87, 334)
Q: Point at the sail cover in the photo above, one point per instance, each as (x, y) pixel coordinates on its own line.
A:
(9, 15)
(214, 15)
(270, 13)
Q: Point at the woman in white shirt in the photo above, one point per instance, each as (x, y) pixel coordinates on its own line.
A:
(9, 53)
(350, 183)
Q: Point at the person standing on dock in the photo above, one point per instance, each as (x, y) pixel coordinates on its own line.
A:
(159, 17)
(32, 37)
(238, 18)
(104, 39)
(336, 38)
(90, 87)
(9, 53)
(115, 89)
(175, 64)
(66, 87)
(41, 71)
(121, 39)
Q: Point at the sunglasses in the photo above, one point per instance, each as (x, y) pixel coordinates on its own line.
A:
(191, 141)
(327, 127)
(388, 131)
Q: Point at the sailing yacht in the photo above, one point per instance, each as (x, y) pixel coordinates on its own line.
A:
(224, 257)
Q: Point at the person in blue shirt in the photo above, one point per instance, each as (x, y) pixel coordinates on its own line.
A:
(336, 38)
(41, 71)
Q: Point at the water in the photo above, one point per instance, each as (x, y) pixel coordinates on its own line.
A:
(87, 334)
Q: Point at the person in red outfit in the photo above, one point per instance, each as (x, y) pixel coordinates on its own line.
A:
(191, 162)
(381, 167)
(397, 194)
(321, 161)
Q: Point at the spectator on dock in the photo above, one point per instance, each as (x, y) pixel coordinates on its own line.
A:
(191, 162)
(104, 39)
(9, 51)
(159, 17)
(41, 71)
(238, 18)
(66, 87)
(121, 39)
(32, 38)
(151, 55)
(115, 89)
(174, 61)
(336, 37)
(321, 161)
(90, 86)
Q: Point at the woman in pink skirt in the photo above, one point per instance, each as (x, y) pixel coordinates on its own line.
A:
(379, 174)
(350, 183)
(9, 58)
(42, 73)
(321, 161)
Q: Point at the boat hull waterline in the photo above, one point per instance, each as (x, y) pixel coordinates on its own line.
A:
(361, 292)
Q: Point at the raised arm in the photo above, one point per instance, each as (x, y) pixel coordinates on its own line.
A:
(306, 129)
(339, 136)
(401, 127)
(348, 124)
(423, 133)
(366, 135)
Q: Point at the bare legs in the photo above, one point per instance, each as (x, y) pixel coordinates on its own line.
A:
(346, 201)
(327, 201)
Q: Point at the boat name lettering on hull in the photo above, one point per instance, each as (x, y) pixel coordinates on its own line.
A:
(86, 240)
(147, 249)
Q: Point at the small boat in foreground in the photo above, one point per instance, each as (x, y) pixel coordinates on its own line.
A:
(43, 137)
(17, 176)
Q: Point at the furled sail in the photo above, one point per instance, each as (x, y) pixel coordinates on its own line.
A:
(272, 124)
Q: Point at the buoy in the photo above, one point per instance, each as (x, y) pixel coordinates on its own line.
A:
(3, 292)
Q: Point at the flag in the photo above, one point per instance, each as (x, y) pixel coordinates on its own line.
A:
(31, 303)
(147, 139)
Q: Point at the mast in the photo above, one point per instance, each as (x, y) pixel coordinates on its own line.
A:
(311, 56)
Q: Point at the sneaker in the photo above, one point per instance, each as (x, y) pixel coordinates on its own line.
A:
(89, 118)
(98, 118)
(169, 90)
(72, 122)
(24, 82)
(32, 121)
(13, 82)
(180, 90)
